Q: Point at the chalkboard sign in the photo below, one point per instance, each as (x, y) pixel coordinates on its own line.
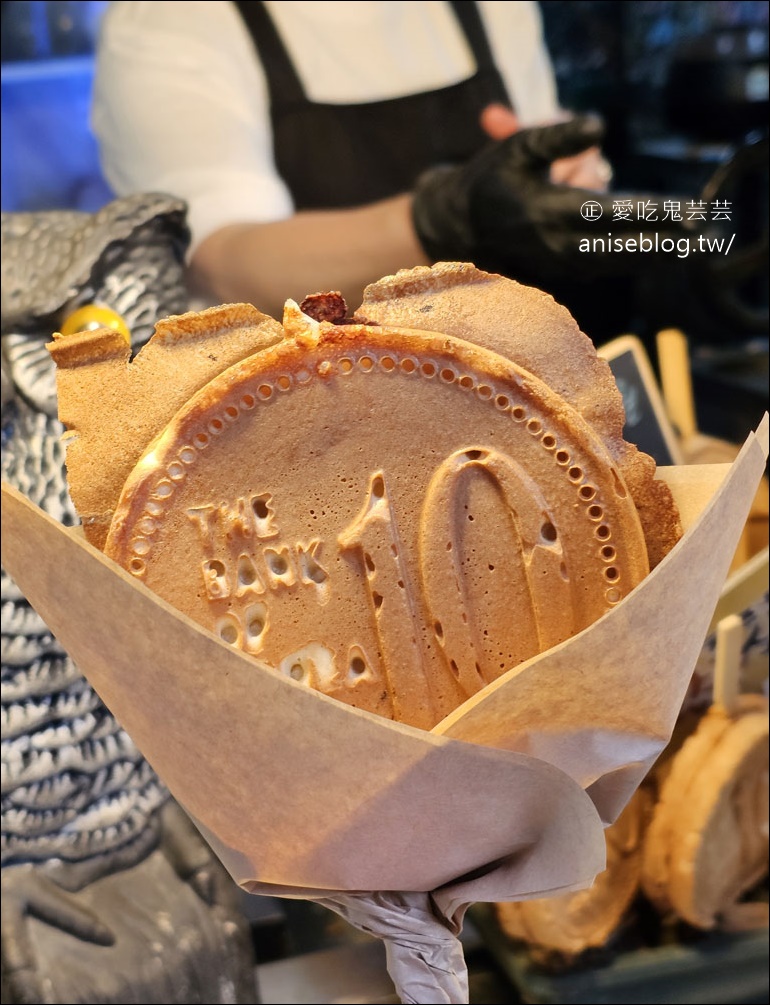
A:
(647, 424)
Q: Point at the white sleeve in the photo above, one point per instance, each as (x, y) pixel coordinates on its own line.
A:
(180, 106)
(515, 31)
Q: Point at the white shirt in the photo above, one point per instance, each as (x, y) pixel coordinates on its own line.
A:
(180, 101)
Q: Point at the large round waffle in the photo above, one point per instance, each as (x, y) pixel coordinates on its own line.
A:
(394, 517)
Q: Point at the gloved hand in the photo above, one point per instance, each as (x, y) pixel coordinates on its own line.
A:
(501, 211)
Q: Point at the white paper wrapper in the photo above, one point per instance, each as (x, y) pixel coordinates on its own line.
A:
(397, 829)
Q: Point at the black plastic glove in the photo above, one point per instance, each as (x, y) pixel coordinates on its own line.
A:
(501, 211)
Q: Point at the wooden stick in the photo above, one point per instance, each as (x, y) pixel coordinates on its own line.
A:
(727, 663)
(676, 381)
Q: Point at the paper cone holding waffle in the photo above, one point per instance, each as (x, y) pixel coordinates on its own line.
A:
(375, 597)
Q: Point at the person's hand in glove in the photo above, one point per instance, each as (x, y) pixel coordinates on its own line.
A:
(588, 169)
(502, 210)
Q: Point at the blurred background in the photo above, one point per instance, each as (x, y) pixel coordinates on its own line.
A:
(681, 85)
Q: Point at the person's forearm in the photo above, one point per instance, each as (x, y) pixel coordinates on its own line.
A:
(311, 252)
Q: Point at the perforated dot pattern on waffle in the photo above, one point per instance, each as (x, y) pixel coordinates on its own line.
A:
(393, 363)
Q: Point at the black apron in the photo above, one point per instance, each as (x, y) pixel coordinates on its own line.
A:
(335, 156)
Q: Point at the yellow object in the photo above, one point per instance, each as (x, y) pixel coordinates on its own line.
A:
(93, 316)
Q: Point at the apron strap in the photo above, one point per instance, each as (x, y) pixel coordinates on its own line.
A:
(467, 13)
(283, 81)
